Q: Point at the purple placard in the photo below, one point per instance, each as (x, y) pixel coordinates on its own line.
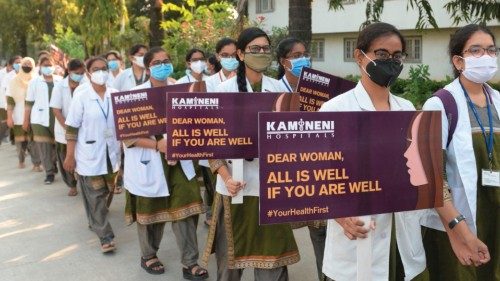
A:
(219, 125)
(141, 113)
(317, 87)
(323, 165)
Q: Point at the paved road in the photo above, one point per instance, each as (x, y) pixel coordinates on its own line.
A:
(44, 236)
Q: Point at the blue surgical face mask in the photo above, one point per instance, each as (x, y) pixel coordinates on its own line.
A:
(16, 66)
(47, 70)
(76, 77)
(162, 71)
(113, 65)
(298, 64)
(229, 64)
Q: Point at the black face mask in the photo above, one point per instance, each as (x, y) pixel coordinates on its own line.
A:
(384, 72)
(27, 69)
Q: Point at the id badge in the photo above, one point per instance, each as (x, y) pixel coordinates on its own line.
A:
(490, 178)
(108, 133)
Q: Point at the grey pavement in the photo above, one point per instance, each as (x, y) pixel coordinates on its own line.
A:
(44, 235)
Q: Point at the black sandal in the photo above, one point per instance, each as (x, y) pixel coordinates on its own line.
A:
(199, 274)
(155, 268)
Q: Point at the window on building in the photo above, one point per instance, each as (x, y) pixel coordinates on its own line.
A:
(265, 6)
(347, 2)
(349, 47)
(318, 49)
(414, 49)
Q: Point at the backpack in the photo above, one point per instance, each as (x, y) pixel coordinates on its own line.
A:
(451, 111)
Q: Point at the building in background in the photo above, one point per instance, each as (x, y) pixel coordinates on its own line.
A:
(335, 32)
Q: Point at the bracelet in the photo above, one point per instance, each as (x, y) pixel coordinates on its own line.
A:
(456, 221)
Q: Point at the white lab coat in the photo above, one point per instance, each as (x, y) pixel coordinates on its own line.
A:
(250, 168)
(214, 81)
(340, 257)
(38, 92)
(188, 78)
(126, 80)
(143, 174)
(87, 113)
(460, 161)
(61, 99)
(5, 78)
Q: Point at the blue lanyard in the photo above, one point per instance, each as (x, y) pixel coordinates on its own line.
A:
(488, 140)
(286, 84)
(106, 114)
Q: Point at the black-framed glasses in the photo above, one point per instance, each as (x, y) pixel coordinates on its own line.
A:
(478, 51)
(95, 69)
(197, 59)
(158, 62)
(226, 55)
(255, 49)
(298, 55)
(383, 54)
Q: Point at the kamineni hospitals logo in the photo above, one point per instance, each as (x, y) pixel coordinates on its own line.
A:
(316, 78)
(300, 129)
(132, 97)
(193, 103)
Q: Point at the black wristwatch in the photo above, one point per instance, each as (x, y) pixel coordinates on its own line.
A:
(455, 221)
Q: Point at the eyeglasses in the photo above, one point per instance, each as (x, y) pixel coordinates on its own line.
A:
(158, 62)
(226, 55)
(95, 69)
(478, 51)
(383, 54)
(299, 55)
(255, 49)
(197, 59)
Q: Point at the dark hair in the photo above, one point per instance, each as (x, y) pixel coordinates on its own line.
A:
(191, 52)
(213, 61)
(13, 59)
(284, 48)
(114, 53)
(91, 61)
(246, 36)
(134, 49)
(148, 57)
(460, 38)
(375, 31)
(43, 53)
(75, 64)
(44, 59)
(223, 43)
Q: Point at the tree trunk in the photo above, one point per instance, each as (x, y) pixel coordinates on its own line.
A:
(23, 44)
(299, 20)
(156, 35)
(49, 19)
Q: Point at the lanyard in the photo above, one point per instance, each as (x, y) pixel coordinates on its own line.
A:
(286, 84)
(488, 140)
(220, 76)
(106, 114)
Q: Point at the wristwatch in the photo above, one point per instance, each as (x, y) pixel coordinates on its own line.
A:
(455, 221)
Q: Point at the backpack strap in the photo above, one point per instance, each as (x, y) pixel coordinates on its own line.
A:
(451, 111)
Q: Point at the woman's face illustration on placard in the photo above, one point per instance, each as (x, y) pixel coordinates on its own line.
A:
(414, 163)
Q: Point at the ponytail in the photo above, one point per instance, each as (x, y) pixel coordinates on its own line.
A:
(241, 78)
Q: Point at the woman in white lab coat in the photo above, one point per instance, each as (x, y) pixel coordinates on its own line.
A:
(115, 66)
(226, 56)
(239, 241)
(38, 115)
(136, 74)
(92, 149)
(196, 64)
(452, 239)
(397, 250)
(59, 103)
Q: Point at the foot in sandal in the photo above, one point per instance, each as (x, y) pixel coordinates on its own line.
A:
(194, 272)
(152, 265)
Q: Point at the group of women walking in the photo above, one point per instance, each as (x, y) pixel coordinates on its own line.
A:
(69, 121)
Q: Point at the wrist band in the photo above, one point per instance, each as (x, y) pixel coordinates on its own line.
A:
(456, 221)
